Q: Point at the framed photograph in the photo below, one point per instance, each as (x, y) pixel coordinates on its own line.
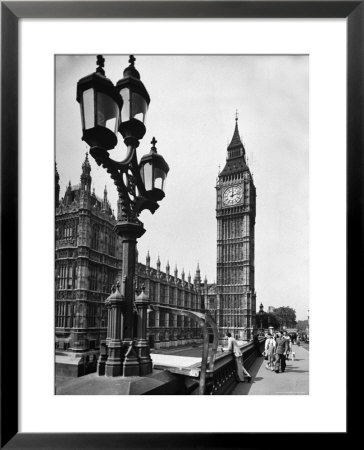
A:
(299, 65)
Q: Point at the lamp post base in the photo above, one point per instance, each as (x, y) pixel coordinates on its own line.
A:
(145, 361)
(112, 370)
(113, 362)
(130, 366)
(101, 364)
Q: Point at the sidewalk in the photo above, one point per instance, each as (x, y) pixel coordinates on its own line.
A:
(294, 381)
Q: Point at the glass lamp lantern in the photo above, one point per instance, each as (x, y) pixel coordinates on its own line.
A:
(153, 170)
(135, 103)
(100, 105)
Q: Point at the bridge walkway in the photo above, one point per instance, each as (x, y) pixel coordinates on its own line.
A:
(294, 381)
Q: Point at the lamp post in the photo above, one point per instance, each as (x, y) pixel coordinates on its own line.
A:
(106, 110)
(261, 312)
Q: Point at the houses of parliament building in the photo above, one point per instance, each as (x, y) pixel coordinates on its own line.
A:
(88, 262)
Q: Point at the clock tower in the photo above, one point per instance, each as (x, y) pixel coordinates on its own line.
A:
(235, 213)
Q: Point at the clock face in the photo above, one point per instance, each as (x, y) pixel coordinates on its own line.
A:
(232, 195)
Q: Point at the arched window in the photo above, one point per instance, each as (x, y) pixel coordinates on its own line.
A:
(62, 276)
(162, 294)
(162, 319)
(70, 277)
(106, 241)
(151, 319)
(93, 277)
(95, 237)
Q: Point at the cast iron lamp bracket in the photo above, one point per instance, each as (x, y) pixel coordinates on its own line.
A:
(126, 176)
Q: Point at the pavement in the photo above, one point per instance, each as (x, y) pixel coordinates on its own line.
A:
(294, 381)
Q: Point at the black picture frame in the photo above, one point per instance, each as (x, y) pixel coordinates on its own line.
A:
(11, 12)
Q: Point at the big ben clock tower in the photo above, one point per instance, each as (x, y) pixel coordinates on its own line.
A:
(235, 213)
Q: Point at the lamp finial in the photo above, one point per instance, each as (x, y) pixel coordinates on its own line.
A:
(153, 142)
(132, 60)
(100, 61)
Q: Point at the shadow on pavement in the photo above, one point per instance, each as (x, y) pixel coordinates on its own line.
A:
(297, 371)
(253, 370)
(257, 379)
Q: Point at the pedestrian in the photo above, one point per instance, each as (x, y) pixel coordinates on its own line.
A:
(288, 338)
(280, 353)
(270, 346)
(241, 372)
(256, 344)
(294, 341)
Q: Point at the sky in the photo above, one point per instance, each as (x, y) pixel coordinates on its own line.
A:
(192, 115)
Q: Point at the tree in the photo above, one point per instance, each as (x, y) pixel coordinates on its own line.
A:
(268, 320)
(272, 321)
(286, 316)
(302, 325)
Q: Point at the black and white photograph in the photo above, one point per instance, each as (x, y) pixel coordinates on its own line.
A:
(181, 224)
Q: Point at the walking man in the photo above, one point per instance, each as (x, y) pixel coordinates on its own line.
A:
(282, 347)
(233, 346)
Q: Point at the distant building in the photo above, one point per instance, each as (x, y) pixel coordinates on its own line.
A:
(271, 309)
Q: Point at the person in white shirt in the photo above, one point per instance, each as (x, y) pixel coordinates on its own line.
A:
(233, 346)
(269, 349)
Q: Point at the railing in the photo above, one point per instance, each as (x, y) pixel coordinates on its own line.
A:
(222, 379)
(219, 378)
(216, 373)
(205, 321)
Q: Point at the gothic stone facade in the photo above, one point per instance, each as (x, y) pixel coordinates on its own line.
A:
(168, 329)
(88, 262)
(235, 297)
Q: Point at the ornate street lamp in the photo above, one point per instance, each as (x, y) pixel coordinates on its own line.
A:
(100, 108)
(106, 109)
(136, 102)
(153, 170)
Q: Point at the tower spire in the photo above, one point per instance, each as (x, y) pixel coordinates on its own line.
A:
(235, 160)
(197, 279)
(236, 141)
(86, 174)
